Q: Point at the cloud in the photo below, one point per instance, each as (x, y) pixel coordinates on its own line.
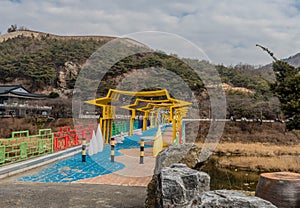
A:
(227, 31)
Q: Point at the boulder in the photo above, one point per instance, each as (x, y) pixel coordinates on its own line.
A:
(179, 184)
(227, 199)
(176, 186)
(183, 153)
(187, 154)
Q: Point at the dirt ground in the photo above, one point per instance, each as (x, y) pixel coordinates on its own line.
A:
(40, 195)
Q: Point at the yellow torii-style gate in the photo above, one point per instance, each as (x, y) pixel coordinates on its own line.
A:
(175, 109)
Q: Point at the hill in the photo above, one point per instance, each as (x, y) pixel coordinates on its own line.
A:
(293, 60)
(40, 35)
(47, 63)
(44, 62)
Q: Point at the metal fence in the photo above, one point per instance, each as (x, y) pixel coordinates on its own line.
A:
(22, 146)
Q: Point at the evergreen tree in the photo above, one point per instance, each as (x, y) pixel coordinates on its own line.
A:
(287, 89)
(12, 28)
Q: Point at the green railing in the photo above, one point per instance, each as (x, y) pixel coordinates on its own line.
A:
(22, 146)
(121, 126)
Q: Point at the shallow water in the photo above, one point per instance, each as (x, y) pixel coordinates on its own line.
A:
(226, 178)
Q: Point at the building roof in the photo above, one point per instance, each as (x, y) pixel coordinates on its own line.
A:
(18, 91)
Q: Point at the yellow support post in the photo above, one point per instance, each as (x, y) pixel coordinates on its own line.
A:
(151, 119)
(100, 123)
(111, 128)
(104, 131)
(131, 126)
(171, 116)
(174, 129)
(132, 122)
(145, 121)
(107, 131)
(102, 128)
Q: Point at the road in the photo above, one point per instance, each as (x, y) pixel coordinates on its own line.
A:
(54, 195)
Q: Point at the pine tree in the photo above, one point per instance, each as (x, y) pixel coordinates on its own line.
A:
(287, 89)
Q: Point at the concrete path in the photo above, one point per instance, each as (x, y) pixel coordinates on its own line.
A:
(133, 174)
(64, 195)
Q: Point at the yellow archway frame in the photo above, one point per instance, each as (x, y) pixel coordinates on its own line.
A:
(168, 107)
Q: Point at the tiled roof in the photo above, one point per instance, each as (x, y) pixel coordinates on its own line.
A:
(5, 89)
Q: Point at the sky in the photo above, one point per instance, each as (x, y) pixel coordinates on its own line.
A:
(226, 31)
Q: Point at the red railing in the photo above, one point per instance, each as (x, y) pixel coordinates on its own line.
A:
(67, 137)
(85, 132)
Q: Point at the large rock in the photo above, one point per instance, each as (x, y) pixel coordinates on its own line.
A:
(188, 154)
(179, 184)
(184, 153)
(175, 186)
(227, 199)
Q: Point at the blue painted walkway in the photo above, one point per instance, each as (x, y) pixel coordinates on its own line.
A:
(72, 169)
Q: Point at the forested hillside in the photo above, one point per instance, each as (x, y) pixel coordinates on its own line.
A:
(38, 60)
(50, 63)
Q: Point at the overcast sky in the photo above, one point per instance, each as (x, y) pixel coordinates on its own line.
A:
(226, 30)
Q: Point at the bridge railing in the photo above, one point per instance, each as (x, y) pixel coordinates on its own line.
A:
(22, 146)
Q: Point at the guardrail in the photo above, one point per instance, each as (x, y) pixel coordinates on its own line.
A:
(16, 105)
(121, 126)
(22, 146)
(238, 120)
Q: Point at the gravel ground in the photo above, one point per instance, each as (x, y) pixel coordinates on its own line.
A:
(54, 195)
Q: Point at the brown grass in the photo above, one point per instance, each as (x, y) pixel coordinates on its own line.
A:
(246, 132)
(8, 125)
(257, 149)
(287, 163)
(258, 156)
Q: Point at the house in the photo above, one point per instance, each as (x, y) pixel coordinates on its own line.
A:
(17, 101)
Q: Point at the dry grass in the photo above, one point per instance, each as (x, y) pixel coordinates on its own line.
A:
(258, 156)
(286, 163)
(8, 125)
(249, 132)
(257, 149)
